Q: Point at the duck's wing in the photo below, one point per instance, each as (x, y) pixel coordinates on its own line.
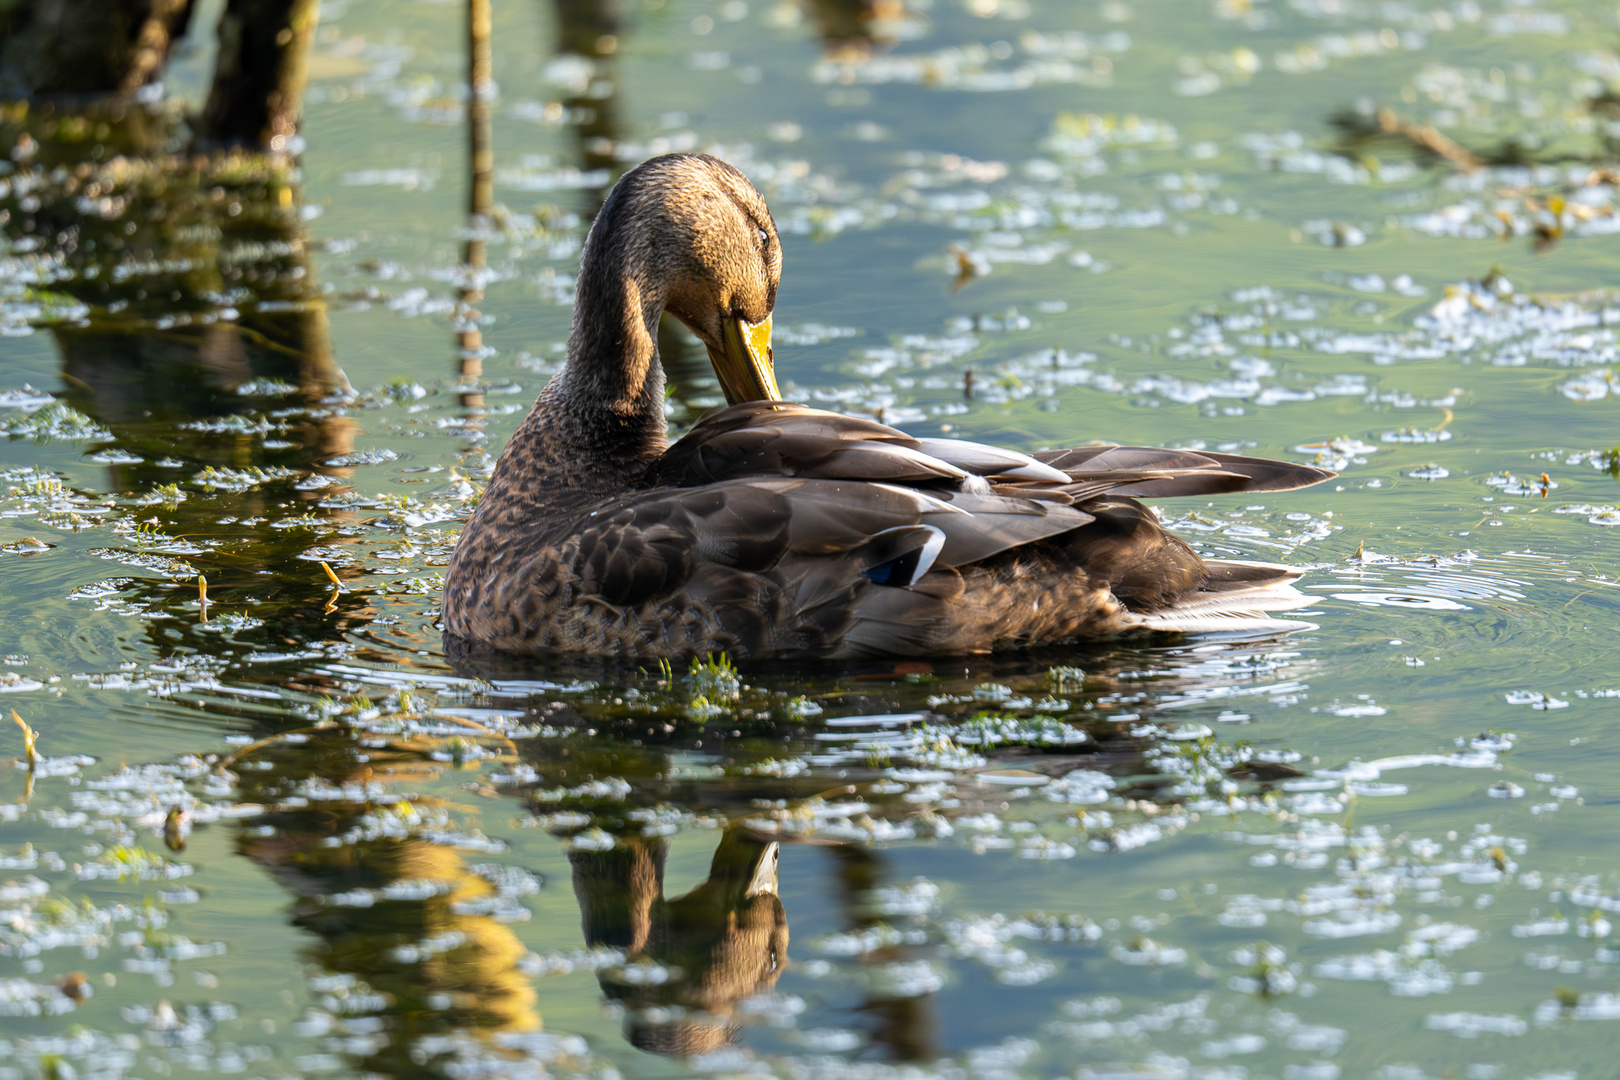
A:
(784, 439)
(1147, 472)
(844, 479)
(652, 543)
(781, 528)
(755, 486)
(790, 565)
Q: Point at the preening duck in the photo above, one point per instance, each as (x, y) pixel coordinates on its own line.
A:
(777, 530)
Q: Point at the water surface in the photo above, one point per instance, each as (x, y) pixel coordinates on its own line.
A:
(1373, 849)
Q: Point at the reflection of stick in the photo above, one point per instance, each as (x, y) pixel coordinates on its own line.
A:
(269, 740)
(1429, 138)
(202, 596)
(474, 725)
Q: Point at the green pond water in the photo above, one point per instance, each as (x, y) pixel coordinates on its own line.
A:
(1380, 848)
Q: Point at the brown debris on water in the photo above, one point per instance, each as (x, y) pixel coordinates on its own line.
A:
(1358, 130)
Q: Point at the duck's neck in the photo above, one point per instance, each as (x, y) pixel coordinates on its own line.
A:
(612, 346)
(600, 421)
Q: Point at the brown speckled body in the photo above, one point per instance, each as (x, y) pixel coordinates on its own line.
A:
(774, 530)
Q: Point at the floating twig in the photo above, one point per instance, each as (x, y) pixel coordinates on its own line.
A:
(29, 735)
(337, 589)
(1429, 138)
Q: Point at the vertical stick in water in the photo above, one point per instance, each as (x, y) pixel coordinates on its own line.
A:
(480, 197)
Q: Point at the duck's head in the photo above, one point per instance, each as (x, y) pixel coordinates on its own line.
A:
(688, 234)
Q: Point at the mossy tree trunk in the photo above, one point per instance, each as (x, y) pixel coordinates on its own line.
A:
(86, 48)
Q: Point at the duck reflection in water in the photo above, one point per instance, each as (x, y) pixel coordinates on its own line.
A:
(689, 960)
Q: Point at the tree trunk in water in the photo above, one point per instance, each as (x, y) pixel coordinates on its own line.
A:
(62, 48)
(259, 77)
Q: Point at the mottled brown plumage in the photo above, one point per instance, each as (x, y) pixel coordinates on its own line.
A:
(774, 529)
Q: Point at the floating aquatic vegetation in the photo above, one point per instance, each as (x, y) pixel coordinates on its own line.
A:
(1597, 515)
(54, 421)
(223, 478)
(1072, 60)
(235, 424)
(1588, 386)
(120, 862)
(148, 560)
(409, 179)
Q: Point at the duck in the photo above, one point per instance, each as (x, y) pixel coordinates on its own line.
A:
(774, 530)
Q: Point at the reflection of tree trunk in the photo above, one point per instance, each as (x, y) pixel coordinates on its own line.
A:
(134, 375)
(156, 350)
(905, 1025)
(144, 385)
(848, 28)
(197, 287)
(259, 77)
(591, 28)
(425, 999)
(90, 47)
(581, 25)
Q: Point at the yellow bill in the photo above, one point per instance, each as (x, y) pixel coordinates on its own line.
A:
(743, 366)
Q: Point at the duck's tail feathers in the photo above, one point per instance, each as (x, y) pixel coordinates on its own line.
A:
(1236, 598)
